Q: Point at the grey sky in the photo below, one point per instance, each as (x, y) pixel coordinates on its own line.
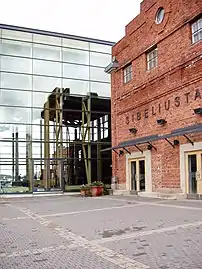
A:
(104, 19)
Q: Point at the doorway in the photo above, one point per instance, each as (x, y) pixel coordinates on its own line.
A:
(46, 175)
(137, 175)
(194, 171)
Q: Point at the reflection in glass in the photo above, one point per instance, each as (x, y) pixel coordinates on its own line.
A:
(75, 43)
(45, 39)
(102, 89)
(16, 48)
(46, 52)
(39, 98)
(100, 48)
(75, 56)
(46, 84)
(75, 71)
(99, 74)
(14, 64)
(46, 68)
(76, 86)
(17, 35)
(15, 114)
(16, 81)
(15, 98)
(99, 59)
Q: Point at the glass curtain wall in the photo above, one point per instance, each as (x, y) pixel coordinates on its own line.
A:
(31, 67)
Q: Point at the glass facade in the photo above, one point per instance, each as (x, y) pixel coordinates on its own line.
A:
(32, 65)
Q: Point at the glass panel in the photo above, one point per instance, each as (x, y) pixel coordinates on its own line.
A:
(192, 166)
(99, 59)
(15, 114)
(36, 117)
(14, 64)
(47, 39)
(39, 98)
(17, 48)
(15, 98)
(102, 89)
(99, 74)
(142, 175)
(17, 35)
(76, 56)
(76, 86)
(16, 81)
(8, 129)
(71, 43)
(46, 84)
(46, 68)
(133, 176)
(75, 71)
(101, 48)
(46, 52)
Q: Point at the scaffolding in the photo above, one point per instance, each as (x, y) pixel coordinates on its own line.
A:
(80, 155)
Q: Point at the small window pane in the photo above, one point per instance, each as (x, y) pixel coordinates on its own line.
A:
(46, 52)
(75, 71)
(47, 68)
(16, 48)
(71, 43)
(76, 86)
(17, 35)
(14, 64)
(16, 81)
(100, 48)
(75, 56)
(47, 39)
(15, 98)
(99, 59)
(99, 74)
(102, 89)
(46, 84)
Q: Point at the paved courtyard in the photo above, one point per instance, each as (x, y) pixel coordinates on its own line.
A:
(108, 232)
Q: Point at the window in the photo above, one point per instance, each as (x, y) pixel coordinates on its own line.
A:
(75, 56)
(152, 58)
(127, 73)
(160, 15)
(15, 64)
(197, 31)
(98, 74)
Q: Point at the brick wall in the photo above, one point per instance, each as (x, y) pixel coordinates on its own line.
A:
(170, 91)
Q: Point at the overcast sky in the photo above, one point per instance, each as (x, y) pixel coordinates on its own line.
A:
(103, 19)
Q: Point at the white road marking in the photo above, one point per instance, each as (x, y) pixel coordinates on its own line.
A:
(156, 203)
(76, 212)
(78, 241)
(150, 232)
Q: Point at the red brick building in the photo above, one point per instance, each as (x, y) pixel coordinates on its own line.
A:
(156, 100)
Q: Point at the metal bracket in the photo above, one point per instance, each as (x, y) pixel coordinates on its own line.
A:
(138, 148)
(127, 150)
(188, 139)
(152, 146)
(115, 151)
(169, 142)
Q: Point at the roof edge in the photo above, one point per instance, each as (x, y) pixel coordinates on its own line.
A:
(55, 34)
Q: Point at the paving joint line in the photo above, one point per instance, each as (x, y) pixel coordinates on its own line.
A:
(78, 241)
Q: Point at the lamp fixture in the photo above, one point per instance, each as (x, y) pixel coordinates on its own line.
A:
(198, 111)
(176, 142)
(121, 152)
(161, 121)
(133, 130)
